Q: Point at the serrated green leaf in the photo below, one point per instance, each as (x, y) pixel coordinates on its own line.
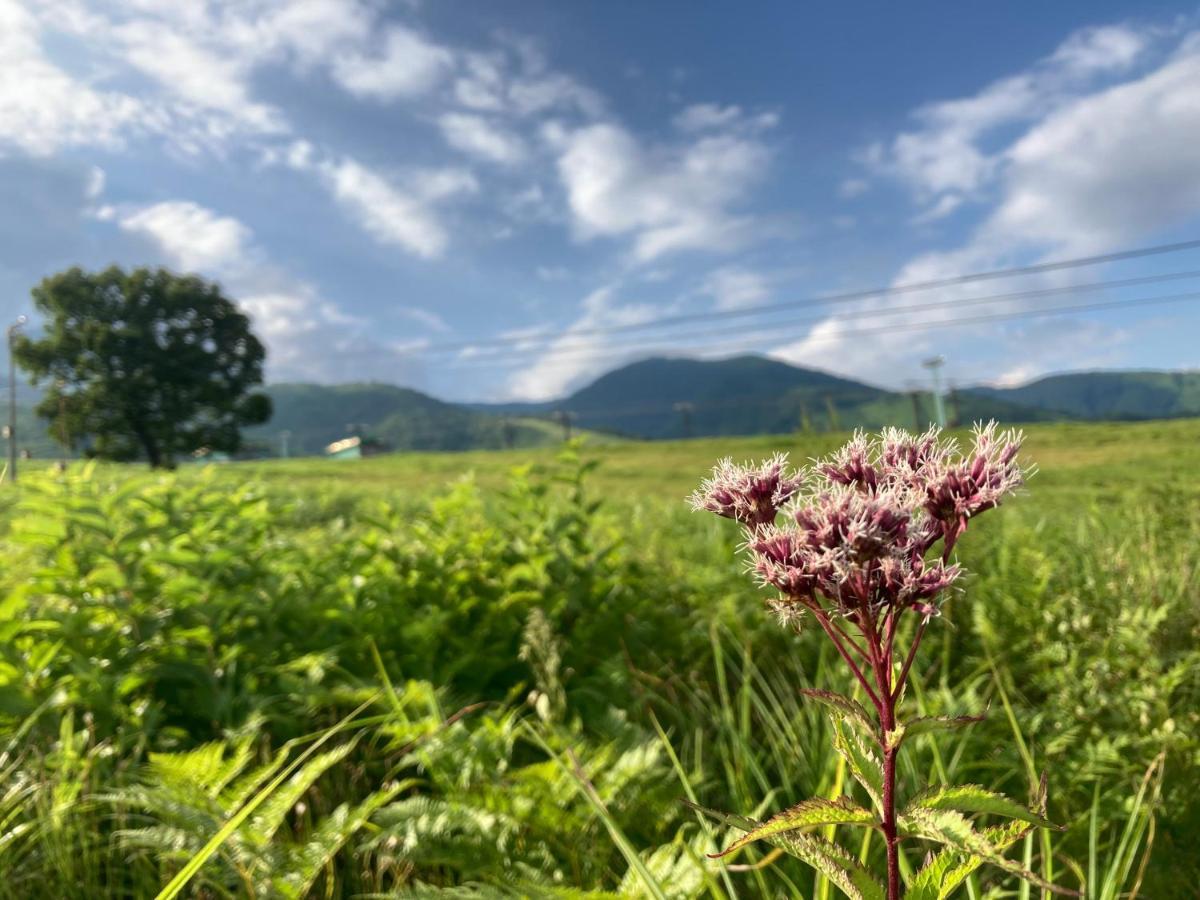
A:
(927, 724)
(834, 862)
(973, 798)
(863, 762)
(849, 708)
(838, 865)
(945, 871)
(952, 828)
(740, 822)
(808, 814)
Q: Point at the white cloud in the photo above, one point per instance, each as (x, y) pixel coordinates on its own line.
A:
(95, 184)
(425, 317)
(951, 155)
(198, 63)
(42, 108)
(211, 78)
(516, 79)
(482, 138)
(853, 187)
(1100, 49)
(308, 337)
(945, 205)
(404, 216)
(734, 287)
(407, 64)
(195, 238)
(1097, 169)
(1109, 168)
(311, 31)
(702, 116)
(667, 198)
(571, 358)
(484, 84)
(714, 117)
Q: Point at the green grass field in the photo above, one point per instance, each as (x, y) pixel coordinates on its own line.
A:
(1110, 455)
(515, 667)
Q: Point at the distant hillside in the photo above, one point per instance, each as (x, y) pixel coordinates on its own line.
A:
(1109, 395)
(663, 398)
(670, 398)
(403, 419)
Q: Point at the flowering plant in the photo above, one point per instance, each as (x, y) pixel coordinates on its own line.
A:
(861, 542)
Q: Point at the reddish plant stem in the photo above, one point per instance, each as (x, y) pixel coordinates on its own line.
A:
(908, 660)
(888, 721)
(822, 618)
(849, 640)
(881, 646)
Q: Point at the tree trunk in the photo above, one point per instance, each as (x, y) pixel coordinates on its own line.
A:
(149, 445)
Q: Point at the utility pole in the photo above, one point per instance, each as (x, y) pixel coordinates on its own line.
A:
(563, 417)
(955, 411)
(685, 411)
(12, 398)
(934, 365)
(805, 421)
(913, 389)
(915, 395)
(284, 437)
(831, 408)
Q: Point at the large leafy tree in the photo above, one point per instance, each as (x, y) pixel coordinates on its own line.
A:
(144, 364)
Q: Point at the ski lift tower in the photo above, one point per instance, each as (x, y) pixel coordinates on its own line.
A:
(934, 365)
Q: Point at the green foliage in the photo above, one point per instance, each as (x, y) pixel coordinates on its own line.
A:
(972, 798)
(189, 797)
(786, 832)
(315, 415)
(1111, 395)
(536, 644)
(803, 816)
(945, 871)
(862, 760)
(144, 364)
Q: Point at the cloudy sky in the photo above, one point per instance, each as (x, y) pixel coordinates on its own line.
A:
(493, 200)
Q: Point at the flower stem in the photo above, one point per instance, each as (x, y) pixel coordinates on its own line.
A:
(908, 661)
(823, 619)
(887, 722)
(889, 823)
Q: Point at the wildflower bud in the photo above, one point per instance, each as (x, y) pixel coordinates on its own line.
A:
(855, 541)
(964, 489)
(851, 465)
(782, 561)
(925, 583)
(749, 495)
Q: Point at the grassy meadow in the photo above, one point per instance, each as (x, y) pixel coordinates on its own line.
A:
(497, 674)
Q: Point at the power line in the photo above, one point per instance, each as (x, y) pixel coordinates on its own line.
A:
(864, 313)
(826, 299)
(887, 329)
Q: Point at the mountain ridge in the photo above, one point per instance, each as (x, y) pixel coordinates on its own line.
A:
(660, 398)
(674, 397)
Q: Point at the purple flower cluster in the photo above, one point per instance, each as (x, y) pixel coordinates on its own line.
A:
(858, 528)
(751, 495)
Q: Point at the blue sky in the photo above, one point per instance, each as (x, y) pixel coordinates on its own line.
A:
(467, 197)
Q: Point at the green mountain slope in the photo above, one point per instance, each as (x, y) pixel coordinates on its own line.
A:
(664, 398)
(401, 418)
(670, 398)
(1109, 395)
